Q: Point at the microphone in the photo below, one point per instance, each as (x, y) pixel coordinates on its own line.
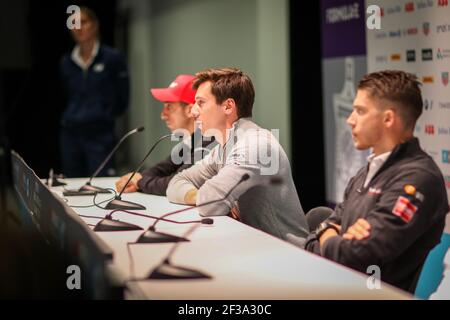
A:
(108, 224)
(153, 236)
(167, 271)
(317, 215)
(117, 202)
(87, 188)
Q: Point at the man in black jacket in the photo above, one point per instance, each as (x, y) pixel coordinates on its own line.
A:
(178, 100)
(393, 212)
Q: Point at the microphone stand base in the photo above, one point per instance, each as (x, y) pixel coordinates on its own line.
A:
(150, 236)
(86, 190)
(114, 225)
(90, 188)
(74, 193)
(122, 204)
(167, 271)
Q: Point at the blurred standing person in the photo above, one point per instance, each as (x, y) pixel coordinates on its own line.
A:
(96, 81)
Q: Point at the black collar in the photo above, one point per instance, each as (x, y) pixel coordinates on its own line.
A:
(410, 147)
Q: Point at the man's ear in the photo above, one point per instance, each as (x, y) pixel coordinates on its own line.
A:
(389, 117)
(229, 106)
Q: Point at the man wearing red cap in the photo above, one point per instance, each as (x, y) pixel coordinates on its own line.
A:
(178, 100)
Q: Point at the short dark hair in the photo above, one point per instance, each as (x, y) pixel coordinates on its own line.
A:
(398, 87)
(229, 83)
(90, 14)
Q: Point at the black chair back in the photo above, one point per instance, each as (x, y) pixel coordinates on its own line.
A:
(317, 215)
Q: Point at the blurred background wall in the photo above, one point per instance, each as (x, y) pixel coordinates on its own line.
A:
(166, 38)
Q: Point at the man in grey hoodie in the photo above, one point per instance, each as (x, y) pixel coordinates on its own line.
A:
(223, 107)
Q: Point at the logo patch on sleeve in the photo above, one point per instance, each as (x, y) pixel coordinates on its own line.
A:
(410, 189)
(404, 209)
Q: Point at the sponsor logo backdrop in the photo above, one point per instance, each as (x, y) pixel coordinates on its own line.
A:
(430, 62)
(414, 37)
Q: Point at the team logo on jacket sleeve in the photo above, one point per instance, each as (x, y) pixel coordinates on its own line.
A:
(404, 209)
(99, 67)
(412, 191)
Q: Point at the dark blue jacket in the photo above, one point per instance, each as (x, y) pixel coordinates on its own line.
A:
(98, 95)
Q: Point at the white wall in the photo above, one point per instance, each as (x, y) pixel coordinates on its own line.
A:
(170, 37)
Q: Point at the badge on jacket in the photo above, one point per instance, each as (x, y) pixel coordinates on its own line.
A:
(412, 191)
(99, 67)
(404, 209)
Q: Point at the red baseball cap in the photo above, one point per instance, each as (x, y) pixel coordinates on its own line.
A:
(180, 90)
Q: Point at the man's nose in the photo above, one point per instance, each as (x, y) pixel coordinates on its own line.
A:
(164, 113)
(351, 120)
(195, 111)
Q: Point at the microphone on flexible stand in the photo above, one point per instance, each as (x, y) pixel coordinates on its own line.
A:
(117, 202)
(108, 224)
(168, 271)
(87, 188)
(153, 236)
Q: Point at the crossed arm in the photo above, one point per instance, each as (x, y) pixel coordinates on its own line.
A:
(381, 235)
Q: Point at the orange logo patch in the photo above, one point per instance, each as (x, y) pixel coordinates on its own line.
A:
(410, 189)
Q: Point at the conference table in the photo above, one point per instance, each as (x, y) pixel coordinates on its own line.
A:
(239, 262)
(242, 262)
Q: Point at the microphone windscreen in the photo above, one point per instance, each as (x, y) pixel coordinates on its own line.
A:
(140, 129)
(320, 210)
(207, 221)
(245, 177)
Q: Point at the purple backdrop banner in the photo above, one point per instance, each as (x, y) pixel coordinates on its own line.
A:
(343, 28)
